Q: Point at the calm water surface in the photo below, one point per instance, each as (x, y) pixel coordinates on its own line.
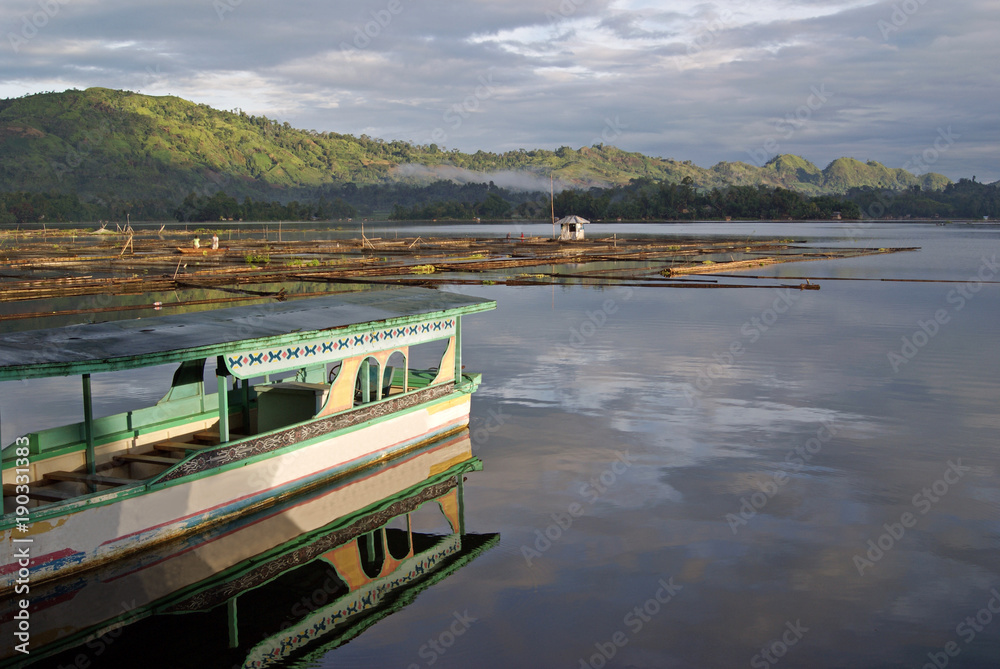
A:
(728, 478)
(753, 481)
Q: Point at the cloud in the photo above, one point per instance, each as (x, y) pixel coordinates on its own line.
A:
(706, 81)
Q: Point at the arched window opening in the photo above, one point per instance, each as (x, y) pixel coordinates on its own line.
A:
(394, 378)
(424, 361)
(333, 371)
(366, 387)
(372, 552)
(397, 536)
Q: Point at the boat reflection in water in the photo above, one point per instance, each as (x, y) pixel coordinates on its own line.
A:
(289, 582)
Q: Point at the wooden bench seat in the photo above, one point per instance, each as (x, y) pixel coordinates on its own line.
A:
(147, 458)
(179, 446)
(211, 436)
(43, 494)
(82, 477)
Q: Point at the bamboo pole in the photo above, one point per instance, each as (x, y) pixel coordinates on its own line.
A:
(552, 205)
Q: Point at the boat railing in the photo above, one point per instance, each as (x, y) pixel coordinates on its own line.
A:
(135, 465)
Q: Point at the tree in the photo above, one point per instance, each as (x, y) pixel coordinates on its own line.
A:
(493, 207)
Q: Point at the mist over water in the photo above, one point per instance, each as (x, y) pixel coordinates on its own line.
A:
(512, 179)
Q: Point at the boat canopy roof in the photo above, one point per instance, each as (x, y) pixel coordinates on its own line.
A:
(118, 345)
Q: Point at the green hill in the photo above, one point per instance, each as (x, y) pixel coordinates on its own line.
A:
(108, 143)
(793, 169)
(117, 146)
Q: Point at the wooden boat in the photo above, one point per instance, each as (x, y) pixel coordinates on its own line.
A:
(200, 251)
(83, 494)
(303, 576)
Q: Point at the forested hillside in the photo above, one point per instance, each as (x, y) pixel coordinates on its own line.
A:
(116, 152)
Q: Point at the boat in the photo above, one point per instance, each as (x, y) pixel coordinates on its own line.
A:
(200, 250)
(299, 578)
(310, 390)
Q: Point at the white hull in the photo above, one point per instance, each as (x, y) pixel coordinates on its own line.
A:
(131, 585)
(109, 526)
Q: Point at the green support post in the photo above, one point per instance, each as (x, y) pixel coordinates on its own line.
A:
(88, 431)
(365, 381)
(232, 623)
(461, 505)
(245, 386)
(458, 349)
(220, 375)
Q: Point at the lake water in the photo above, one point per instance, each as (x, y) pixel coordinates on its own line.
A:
(728, 478)
(750, 481)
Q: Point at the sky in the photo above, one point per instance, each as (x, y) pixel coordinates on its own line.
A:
(909, 83)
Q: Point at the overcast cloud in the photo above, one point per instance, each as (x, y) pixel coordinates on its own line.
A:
(690, 80)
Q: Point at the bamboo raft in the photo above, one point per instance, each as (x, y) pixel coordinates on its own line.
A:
(32, 267)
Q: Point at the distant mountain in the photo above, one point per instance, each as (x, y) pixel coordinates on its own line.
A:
(117, 146)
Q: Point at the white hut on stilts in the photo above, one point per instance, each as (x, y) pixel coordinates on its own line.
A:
(571, 227)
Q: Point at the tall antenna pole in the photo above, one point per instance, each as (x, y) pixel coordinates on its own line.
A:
(552, 204)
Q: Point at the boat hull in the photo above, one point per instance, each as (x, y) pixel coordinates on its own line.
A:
(77, 610)
(200, 251)
(99, 528)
